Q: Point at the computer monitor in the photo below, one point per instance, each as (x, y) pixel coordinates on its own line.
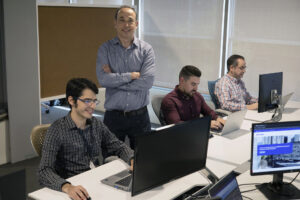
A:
(270, 91)
(275, 149)
(170, 153)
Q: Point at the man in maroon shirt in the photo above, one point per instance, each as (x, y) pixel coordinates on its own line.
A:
(185, 103)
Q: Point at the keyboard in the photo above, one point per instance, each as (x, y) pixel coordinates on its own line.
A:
(212, 130)
(125, 181)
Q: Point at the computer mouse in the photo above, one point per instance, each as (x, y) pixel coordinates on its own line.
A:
(89, 198)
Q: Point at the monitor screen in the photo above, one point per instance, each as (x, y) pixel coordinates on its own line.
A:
(226, 189)
(267, 83)
(275, 147)
(170, 153)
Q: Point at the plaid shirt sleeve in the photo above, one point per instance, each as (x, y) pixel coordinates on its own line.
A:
(47, 174)
(226, 96)
(248, 98)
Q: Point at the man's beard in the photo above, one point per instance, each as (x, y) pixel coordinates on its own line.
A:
(191, 93)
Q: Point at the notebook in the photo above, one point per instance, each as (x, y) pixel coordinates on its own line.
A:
(226, 188)
(232, 126)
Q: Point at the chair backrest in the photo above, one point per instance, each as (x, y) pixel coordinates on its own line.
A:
(211, 88)
(101, 97)
(156, 103)
(37, 137)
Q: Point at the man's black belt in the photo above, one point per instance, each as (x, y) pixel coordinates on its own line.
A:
(132, 112)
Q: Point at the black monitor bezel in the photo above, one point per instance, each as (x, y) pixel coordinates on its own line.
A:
(262, 94)
(252, 141)
(183, 124)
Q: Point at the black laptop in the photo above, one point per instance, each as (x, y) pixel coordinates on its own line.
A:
(226, 188)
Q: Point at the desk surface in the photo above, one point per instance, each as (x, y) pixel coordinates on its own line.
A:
(91, 181)
(291, 112)
(237, 151)
(246, 178)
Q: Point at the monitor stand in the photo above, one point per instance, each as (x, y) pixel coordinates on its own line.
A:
(277, 189)
(277, 116)
(276, 99)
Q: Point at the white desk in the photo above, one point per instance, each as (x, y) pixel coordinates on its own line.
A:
(290, 113)
(91, 181)
(237, 151)
(231, 151)
(246, 178)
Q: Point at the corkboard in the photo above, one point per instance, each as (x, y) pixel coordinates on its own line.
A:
(69, 38)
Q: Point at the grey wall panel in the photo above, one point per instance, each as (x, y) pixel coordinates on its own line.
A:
(21, 57)
(3, 98)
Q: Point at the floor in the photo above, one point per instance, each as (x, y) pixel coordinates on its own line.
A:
(30, 166)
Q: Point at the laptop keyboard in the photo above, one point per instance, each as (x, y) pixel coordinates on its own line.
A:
(125, 181)
(216, 130)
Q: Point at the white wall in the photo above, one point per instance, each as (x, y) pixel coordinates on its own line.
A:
(21, 57)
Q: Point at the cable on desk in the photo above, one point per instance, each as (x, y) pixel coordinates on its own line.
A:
(246, 197)
(294, 178)
(249, 184)
(198, 196)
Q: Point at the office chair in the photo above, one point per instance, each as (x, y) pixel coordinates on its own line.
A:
(37, 137)
(156, 103)
(46, 107)
(211, 88)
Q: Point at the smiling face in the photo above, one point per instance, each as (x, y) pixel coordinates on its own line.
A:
(80, 109)
(189, 86)
(126, 24)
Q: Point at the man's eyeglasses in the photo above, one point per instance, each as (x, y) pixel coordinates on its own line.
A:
(242, 68)
(89, 102)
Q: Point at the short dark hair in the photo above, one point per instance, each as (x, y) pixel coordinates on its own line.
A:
(75, 86)
(188, 71)
(125, 6)
(232, 60)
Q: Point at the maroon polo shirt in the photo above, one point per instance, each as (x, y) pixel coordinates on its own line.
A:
(177, 107)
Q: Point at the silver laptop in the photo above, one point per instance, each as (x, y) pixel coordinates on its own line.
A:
(122, 180)
(286, 98)
(232, 126)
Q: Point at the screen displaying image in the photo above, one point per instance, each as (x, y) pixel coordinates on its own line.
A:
(275, 148)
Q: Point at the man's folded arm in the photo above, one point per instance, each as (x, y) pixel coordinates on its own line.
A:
(107, 80)
(146, 79)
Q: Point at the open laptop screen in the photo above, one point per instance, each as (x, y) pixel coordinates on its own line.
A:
(227, 188)
(170, 153)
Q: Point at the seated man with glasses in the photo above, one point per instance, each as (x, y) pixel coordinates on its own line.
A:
(230, 89)
(73, 143)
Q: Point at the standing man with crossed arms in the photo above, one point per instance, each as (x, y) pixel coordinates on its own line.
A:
(125, 67)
